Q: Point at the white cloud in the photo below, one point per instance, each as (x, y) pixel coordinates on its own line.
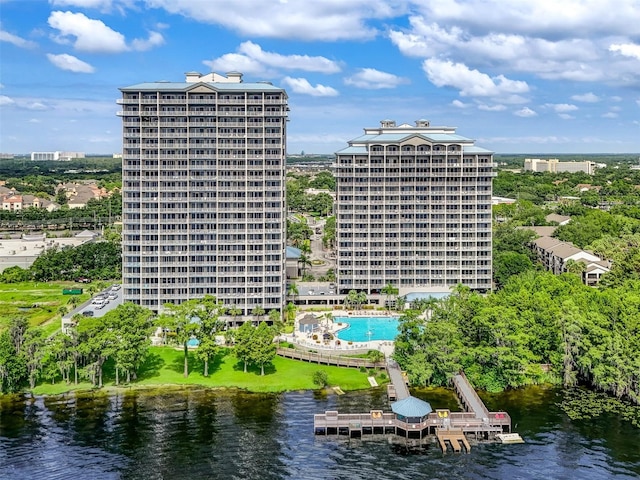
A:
(34, 120)
(325, 20)
(561, 107)
(610, 115)
(90, 35)
(302, 86)
(16, 40)
(155, 40)
(252, 59)
(289, 62)
(566, 116)
(472, 83)
(541, 18)
(587, 98)
(372, 79)
(626, 49)
(35, 105)
(458, 104)
(525, 112)
(4, 100)
(491, 108)
(241, 63)
(70, 63)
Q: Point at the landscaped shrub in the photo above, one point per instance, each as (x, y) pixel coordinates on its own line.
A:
(320, 378)
(363, 369)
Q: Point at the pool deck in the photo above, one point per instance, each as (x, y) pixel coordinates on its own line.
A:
(305, 340)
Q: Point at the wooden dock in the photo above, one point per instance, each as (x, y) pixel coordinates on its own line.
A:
(326, 359)
(450, 428)
(454, 437)
(376, 421)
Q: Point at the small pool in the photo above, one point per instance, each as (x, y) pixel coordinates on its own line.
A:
(363, 329)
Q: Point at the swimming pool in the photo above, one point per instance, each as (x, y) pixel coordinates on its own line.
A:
(363, 329)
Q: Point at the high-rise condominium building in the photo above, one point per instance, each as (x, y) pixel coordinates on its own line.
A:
(203, 184)
(413, 210)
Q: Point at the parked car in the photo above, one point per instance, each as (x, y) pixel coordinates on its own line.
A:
(115, 287)
(112, 296)
(88, 313)
(83, 280)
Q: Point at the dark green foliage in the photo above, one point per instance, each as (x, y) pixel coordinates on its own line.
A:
(506, 264)
(13, 369)
(100, 260)
(594, 224)
(320, 378)
(501, 340)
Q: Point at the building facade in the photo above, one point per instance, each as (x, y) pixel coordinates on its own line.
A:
(55, 156)
(554, 165)
(413, 210)
(203, 184)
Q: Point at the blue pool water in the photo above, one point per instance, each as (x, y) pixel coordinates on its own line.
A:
(363, 329)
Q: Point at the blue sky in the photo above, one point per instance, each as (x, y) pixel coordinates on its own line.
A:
(543, 76)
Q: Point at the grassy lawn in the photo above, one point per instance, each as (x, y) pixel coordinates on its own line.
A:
(164, 366)
(38, 302)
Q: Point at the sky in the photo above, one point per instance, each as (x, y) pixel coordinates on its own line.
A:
(517, 76)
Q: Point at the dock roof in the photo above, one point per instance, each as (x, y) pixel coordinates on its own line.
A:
(411, 407)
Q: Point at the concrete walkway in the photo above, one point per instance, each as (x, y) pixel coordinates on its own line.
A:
(395, 375)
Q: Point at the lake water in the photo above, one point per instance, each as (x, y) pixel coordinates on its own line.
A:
(207, 434)
(364, 329)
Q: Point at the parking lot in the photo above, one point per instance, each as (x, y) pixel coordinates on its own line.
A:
(111, 298)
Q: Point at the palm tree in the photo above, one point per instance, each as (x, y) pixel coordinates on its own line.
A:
(389, 290)
(361, 299)
(258, 311)
(305, 260)
(293, 291)
(290, 313)
(328, 317)
(234, 311)
(351, 299)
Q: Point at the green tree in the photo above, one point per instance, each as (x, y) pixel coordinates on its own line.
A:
(290, 313)
(509, 263)
(33, 353)
(12, 367)
(209, 312)
(263, 350)
(182, 320)
(243, 343)
(97, 343)
(391, 292)
(320, 378)
(375, 356)
(258, 311)
(131, 326)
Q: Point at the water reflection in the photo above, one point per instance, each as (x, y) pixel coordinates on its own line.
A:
(200, 433)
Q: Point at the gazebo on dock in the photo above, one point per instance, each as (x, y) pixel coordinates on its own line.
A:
(411, 410)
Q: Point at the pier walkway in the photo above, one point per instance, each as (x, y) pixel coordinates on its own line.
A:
(326, 359)
(469, 399)
(397, 380)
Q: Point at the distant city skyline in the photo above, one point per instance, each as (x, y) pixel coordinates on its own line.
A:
(525, 77)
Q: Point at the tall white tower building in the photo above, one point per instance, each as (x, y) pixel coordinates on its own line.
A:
(203, 184)
(413, 210)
